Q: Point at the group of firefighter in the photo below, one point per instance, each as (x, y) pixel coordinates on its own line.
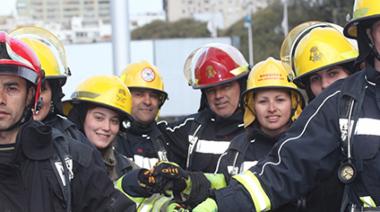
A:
(297, 133)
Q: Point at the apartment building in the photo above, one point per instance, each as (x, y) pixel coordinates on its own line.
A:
(222, 13)
(61, 12)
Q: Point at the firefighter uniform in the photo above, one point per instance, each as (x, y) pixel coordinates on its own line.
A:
(204, 136)
(316, 48)
(253, 145)
(309, 152)
(33, 177)
(207, 136)
(144, 143)
(40, 168)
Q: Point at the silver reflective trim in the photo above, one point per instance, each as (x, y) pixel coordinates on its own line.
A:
(144, 162)
(212, 147)
(368, 126)
(180, 125)
(247, 165)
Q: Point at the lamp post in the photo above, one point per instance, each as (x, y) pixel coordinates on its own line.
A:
(120, 34)
(248, 25)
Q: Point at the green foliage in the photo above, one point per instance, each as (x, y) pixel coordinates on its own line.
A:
(267, 32)
(179, 29)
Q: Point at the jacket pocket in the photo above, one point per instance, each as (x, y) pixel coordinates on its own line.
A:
(366, 147)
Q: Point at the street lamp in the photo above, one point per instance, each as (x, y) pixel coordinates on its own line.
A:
(248, 25)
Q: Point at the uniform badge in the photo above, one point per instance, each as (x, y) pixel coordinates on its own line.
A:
(315, 54)
(147, 75)
(61, 170)
(210, 71)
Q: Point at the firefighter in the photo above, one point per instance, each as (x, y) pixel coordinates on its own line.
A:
(319, 54)
(271, 104)
(40, 168)
(220, 72)
(98, 106)
(51, 53)
(144, 143)
(337, 133)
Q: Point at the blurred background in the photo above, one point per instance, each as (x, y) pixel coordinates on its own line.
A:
(103, 36)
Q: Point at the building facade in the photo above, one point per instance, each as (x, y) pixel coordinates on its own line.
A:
(220, 13)
(91, 11)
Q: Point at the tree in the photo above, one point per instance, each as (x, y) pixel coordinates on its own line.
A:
(180, 29)
(266, 24)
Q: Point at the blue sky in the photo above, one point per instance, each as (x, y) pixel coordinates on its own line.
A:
(135, 6)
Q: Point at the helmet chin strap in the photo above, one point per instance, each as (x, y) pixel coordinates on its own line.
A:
(372, 45)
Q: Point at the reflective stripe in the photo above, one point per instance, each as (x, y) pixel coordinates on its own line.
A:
(118, 186)
(368, 202)
(148, 203)
(247, 165)
(217, 181)
(161, 203)
(180, 125)
(209, 205)
(257, 193)
(368, 126)
(212, 147)
(144, 162)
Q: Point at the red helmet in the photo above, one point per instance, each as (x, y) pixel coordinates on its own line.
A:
(214, 64)
(17, 58)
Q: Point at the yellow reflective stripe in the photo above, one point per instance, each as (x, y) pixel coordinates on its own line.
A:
(147, 204)
(368, 202)
(160, 203)
(251, 183)
(209, 205)
(217, 180)
(119, 186)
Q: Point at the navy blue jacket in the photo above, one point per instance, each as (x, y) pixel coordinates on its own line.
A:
(32, 175)
(203, 137)
(311, 150)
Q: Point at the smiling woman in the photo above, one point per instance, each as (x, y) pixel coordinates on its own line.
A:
(98, 106)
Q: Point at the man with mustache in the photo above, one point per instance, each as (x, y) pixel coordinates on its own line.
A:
(143, 142)
(220, 72)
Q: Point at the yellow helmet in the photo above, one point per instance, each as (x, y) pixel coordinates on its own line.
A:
(49, 50)
(270, 73)
(319, 47)
(104, 90)
(144, 75)
(288, 42)
(363, 11)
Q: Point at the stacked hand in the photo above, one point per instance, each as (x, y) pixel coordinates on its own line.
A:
(163, 178)
(174, 176)
(189, 188)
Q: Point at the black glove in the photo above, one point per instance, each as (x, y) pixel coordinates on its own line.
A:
(171, 176)
(189, 188)
(148, 181)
